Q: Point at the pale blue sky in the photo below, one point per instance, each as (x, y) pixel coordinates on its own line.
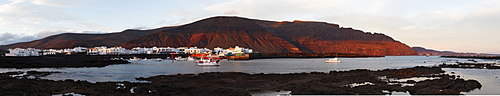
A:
(456, 25)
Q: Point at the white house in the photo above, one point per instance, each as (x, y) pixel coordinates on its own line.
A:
(49, 52)
(116, 51)
(79, 49)
(139, 50)
(194, 50)
(238, 49)
(97, 51)
(163, 50)
(24, 52)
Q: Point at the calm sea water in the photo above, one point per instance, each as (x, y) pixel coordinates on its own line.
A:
(128, 72)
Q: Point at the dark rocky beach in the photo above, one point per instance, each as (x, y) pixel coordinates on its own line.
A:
(369, 82)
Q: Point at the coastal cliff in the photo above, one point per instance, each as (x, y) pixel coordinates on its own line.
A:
(260, 35)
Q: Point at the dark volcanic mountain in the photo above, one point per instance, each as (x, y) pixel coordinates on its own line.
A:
(70, 40)
(262, 36)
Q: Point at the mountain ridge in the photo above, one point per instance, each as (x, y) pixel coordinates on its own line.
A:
(260, 35)
(425, 51)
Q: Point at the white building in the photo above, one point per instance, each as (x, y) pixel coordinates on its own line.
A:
(116, 51)
(78, 49)
(238, 49)
(24, 52)
(97, 50)
(235, 50)
(163, 50)
(194, 50)
(49, 52)
(139, 50)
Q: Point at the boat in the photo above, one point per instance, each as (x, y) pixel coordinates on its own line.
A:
(181, 59)
(134, 59)
(190, 59)
(334, 60)
(168, 58)
(205, 61)
(158, 59)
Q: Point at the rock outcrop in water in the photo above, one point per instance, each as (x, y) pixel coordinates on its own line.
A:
(363, 82)
(262, 36)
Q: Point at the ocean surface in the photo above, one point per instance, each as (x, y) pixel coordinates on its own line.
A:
(128, 72)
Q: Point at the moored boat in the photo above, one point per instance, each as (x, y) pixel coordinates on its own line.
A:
(181, 59)
(334, 60)
(134, 59)
(204, 61)
(158, 59)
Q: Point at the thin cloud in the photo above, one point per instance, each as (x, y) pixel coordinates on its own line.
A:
(39, 15)
(61, 3)
(231, 12)
(11, 38)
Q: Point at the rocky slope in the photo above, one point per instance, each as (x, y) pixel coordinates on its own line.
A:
(260, 35)
(70, 40)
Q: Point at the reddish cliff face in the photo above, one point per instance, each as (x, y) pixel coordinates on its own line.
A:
(262, 36)
(274, 37)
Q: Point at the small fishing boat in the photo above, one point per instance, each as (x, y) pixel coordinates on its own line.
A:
(158, 59)
(191, 59)
(134, 59)
(205, 61)
(168, 58)
(181, 59)
(334, 60)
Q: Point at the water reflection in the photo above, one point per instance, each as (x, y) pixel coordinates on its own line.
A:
(128, 72)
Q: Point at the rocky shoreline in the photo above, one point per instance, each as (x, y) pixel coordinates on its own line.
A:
(473, 57)
(360, 81)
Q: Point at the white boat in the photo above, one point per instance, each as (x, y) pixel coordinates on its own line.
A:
(191, 59)
(208, 62)
(181, 59)
(134, 59)
(158, 59)
(334, 60)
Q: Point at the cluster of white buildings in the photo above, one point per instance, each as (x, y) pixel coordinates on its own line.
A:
(103, 50)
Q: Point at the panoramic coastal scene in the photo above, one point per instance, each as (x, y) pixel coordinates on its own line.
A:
(249, 47)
